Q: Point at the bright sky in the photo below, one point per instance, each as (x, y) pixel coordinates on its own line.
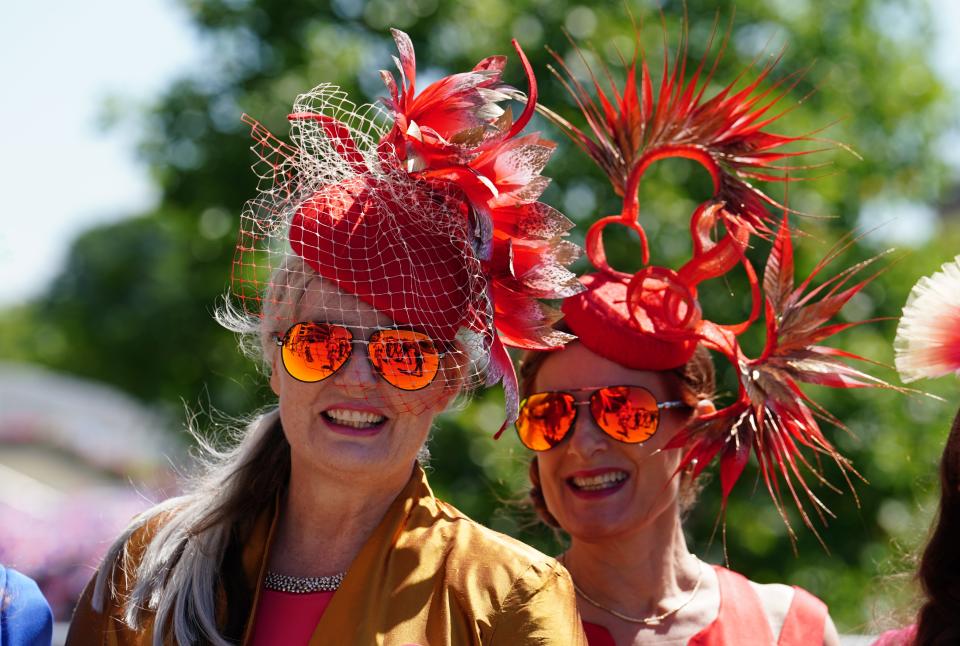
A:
(60, 60)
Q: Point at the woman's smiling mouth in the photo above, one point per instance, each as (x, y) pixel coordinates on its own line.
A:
(351, 419)
(597, 482)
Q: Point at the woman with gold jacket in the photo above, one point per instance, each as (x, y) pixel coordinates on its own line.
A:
(367, 271)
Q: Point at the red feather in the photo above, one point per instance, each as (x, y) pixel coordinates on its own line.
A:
(770, 408)
(454, 131)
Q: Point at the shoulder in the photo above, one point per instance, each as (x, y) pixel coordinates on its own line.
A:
(128, 550)
(528, 592)
(897, 637)
(117, 572)
(776, 599)
(24, 612)
(795, 615)
(500, 584)
(101, 608)
(474, 545)
(18, 590)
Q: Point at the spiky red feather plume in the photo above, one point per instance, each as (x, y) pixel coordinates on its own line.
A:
(771, 414)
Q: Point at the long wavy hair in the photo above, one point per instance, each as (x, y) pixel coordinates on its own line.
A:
(176, 578)
(938, 621)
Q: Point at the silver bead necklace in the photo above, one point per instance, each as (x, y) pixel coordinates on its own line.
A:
(302, 584)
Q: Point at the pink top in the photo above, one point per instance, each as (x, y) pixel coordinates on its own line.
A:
(900, 637)
(741, 616)
(287, 618)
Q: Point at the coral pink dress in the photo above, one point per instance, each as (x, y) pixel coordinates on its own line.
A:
(742, 620)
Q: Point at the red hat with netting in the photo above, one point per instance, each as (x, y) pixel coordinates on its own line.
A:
(427, 211)
(652, 319)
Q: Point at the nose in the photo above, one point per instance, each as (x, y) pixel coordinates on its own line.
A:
(357, 373)
(587, 439)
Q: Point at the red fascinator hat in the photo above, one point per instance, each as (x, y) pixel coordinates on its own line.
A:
(652, 319)
(427, 211)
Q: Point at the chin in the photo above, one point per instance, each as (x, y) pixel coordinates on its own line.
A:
(349, 457)
(588, 533)
(601, 525)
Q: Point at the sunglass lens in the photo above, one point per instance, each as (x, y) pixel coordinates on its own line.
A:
(545, 419)
(314, 351)
(406, 359)
(626, 413)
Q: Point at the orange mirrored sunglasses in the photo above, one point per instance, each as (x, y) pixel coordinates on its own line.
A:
(628, 414)
(405, 359)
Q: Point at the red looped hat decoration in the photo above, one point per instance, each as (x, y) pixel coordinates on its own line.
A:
(652, 319)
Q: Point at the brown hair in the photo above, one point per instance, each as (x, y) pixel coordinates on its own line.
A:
(938, 621)
(695, 381)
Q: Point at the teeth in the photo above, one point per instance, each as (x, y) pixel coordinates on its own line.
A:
(354, 418)
(603, 481)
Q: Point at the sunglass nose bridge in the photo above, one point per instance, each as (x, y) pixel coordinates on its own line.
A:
(356, 371)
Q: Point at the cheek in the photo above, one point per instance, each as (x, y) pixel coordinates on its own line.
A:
(429, 401)
(413, 429)
(411, 404)
(550, 483)
(657, 488)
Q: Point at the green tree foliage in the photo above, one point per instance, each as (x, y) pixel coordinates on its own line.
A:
(133, 303)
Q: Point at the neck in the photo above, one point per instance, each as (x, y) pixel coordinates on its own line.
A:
(324, 521)
(641, 573)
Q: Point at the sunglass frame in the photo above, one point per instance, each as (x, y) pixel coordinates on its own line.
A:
(594, 390)
(281, 341)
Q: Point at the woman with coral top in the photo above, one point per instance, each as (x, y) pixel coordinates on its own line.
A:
(366, 272)
(623, 420)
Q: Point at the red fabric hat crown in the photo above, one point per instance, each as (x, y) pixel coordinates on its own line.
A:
(372, 245)
(652, 319)
(432, 219)
(604, 322)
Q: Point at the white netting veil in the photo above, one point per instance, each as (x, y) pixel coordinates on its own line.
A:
(411, 234)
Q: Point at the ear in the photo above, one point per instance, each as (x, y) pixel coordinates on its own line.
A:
(534, 472)
(275, 369)
(705, 407)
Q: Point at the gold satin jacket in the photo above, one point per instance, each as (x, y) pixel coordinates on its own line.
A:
(428, 575)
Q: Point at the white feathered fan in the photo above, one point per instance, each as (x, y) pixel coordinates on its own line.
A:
(928, 336)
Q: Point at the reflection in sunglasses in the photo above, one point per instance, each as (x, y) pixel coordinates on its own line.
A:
(406, 359)
(628, 416)
(552, 416)
(307, 341)
(407, 356)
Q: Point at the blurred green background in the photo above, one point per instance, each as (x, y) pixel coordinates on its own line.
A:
(132, 305)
